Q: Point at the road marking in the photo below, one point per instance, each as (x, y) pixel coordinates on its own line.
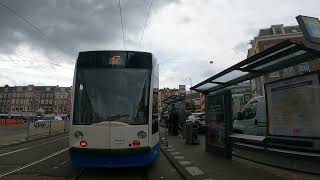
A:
(194, 171)
(171, 149)
(170, 146)
(184, 162)
(178, 157)
(11, 152)
(61, 164)
(208, 179)
(175, 153)
(34, 162)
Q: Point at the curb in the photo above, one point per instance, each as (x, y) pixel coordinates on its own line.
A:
(26, 141)
(175, 165)
(180, 168)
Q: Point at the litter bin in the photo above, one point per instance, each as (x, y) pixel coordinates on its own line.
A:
(192, 133)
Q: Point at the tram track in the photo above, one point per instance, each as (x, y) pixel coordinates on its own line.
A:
(80, 174)
(110, 173)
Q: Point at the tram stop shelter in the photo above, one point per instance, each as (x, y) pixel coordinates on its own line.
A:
(282, 55)
(219, 137)
(177, 103)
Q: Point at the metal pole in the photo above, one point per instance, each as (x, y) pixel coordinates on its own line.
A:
(50, 127)
(28, 131)
(65, 122)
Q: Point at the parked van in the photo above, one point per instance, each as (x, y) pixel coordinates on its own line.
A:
(252, 119)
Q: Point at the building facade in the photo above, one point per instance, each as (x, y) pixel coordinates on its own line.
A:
(202, 102)
(269, 37)
(30, 99)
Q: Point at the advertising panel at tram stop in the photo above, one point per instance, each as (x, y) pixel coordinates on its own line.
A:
(293, 106)
(219, 123)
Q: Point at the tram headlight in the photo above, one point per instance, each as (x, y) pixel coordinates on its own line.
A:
(142, 134)
(78, 135)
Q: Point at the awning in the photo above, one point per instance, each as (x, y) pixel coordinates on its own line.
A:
(282, 55)
(173, 99)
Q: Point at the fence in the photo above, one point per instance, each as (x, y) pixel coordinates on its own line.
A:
(16, 130)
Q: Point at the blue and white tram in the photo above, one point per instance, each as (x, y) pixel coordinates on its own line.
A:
(115, 113)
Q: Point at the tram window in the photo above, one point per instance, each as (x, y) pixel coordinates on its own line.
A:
(155, 106)
(106, 94)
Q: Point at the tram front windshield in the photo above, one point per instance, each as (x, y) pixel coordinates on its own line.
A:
(107, 94)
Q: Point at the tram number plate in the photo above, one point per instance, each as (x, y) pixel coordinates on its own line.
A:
(118, 140)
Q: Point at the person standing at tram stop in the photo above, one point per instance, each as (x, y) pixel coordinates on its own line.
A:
(170, 122)
(174, 122)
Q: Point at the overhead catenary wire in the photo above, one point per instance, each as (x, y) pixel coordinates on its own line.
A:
(124, 42)
(39, 60)
(145, 23)
(14, 13)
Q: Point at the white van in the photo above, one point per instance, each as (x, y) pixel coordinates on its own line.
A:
(252, 119)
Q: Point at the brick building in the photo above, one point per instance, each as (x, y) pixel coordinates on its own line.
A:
(29, 99)
(269, 37)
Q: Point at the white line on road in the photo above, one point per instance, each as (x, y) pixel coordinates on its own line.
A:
(61, 164)
(11, 152)
(33, 163)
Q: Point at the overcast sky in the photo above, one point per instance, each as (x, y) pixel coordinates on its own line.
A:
(184, 35)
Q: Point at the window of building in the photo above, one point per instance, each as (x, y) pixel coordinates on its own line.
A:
(51, 95)
(1, 95)
(304, 67)
(266, 46)
(247, 98)
(42, 101)
(50, 101)
(47, 95)
(48, 89)
(46, 101)
(13, 94)
(278, 30)
(21, 101)
(29, 88)
(288, 71)
(28, 108)
(19, 88)
(274, 74)
(22, 95)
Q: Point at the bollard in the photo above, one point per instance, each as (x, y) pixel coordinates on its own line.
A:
(28, 129)
(50, 128)
(65, 122)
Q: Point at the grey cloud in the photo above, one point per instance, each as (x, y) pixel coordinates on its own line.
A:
(72, 25)
(241, 47)
(186, 20)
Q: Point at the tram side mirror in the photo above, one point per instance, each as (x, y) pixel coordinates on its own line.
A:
(239, 116)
